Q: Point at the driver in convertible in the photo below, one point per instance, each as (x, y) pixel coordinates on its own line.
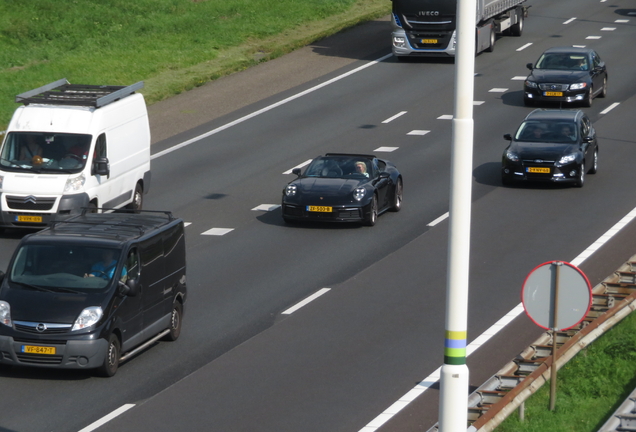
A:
(106, 268)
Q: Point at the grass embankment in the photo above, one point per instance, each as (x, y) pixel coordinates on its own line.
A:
(172, 45)
(590, 387)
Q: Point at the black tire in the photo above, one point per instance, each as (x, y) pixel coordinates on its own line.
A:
(92, 207)
(398, 194)
(138, 199)
(111, 361)
(517, 29)
(175, 322)
(590, 98)
(372, 218)
(594, 167)
(493, 40)
(604, 91)
(580, 181)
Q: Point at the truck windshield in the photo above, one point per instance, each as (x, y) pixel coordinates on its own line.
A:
(66, 268)
(45, 152)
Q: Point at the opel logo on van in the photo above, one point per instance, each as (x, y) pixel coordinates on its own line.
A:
(40, 327)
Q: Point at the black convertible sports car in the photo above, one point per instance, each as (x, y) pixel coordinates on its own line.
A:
(342, 187)
(556, 146)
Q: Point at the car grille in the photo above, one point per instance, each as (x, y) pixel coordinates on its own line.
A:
(31, 327)
(30, 203)
(39, 358)
(349, 214)
(554, 87)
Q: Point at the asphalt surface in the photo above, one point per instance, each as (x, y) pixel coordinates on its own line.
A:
(339, 362)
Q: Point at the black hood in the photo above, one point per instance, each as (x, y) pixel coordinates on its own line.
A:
(329, 186)
(558, 76)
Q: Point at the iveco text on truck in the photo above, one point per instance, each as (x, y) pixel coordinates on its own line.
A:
(427, 27)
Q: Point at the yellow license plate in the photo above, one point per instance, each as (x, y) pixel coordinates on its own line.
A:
(428, 41)
(553, 93)
(32, 349)
(322, 209)
(538, 170)
(36, 219)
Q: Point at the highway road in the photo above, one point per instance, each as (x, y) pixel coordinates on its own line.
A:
(250, 357)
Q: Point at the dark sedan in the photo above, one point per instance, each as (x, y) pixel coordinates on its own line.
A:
(566, 75)
(556, 146)
(342, 187)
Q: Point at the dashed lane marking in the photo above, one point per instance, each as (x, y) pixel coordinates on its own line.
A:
(497, 90)
(266, 207)
(609, 108)
(569, 21)
(386, 149)
(445, 117)
(107, 418)
(390, 119)
(418, 132)
(306, 301)
(521, 48)
(298, 166)
(217, 231)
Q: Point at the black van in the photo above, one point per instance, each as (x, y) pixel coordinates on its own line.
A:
(93, 290)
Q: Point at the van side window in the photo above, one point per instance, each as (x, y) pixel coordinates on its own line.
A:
(132, 264)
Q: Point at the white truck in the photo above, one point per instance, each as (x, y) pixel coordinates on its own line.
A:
(427, 27)
(74, 146)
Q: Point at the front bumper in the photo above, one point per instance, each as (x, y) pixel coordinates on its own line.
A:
(563, 174)
(22, 211)
(406, 45)
(537, 95)
(339, 213)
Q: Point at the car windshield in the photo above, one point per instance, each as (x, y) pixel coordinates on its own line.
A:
(45, 152)
(65, 268)
(547, 132)
(339, 167)
(562, 61)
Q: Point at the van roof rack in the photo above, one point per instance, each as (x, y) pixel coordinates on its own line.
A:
(116, 224)
(61, 92)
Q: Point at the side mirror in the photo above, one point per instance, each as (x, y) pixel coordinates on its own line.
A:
(296, 171)
(588, 139)
(508, 137)
(101, 166)
(130, 288)
(529, 66)
(384, 175)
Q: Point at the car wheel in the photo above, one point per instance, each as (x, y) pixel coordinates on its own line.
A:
(138, 199)
(175, 322)
(493, 39)
(594, 167)
(397, 196)
(92, 207)
(580, 181)
(517, 29)
(373, 212)
(604, 92)
(111, 361)
(590, 97)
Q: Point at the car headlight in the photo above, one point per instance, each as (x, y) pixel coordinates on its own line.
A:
(399, 42)
(89, 317)
(578, 86)
(567, 159)
(358, 194)
(531, 84)
(74, 184)
(512, 156)
(291, 190)
(5, 313)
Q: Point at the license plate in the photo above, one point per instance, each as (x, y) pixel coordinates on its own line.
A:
(553, 94)
(538, 170)
(36, 219)
(32, 349)
(322, 209)
(428, 41)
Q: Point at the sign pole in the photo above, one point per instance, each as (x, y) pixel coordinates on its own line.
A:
(555, 316)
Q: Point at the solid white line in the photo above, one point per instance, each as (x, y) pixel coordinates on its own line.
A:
(609, 108)
(569, 21)
(306, 301)
(524, 46)
(439, 219)
(107, 418)
(289, 171)
(390, 119)
(488, 334)
(269, 108)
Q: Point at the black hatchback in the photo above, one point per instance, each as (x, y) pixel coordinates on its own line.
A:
(556, 146)
(566, 75)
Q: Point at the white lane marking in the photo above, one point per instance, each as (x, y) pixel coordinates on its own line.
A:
(266, 207)
(306, 301)
(478, 102)
(609, 108)
(217, 231)
(497, 90)
(390, 119)
(289, 171)
(386, 149)
(569, 21)
(418, 132)
(578, 46)
(269, 108)
(185, 224)
(521, 48)
(608, 29)
(593, 37)
(438, 220)
(488, 334)
(445, 117)
(107, 418)
(518, 78)
(620, 21)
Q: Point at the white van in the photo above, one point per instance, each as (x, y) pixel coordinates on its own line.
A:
(74, 146)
